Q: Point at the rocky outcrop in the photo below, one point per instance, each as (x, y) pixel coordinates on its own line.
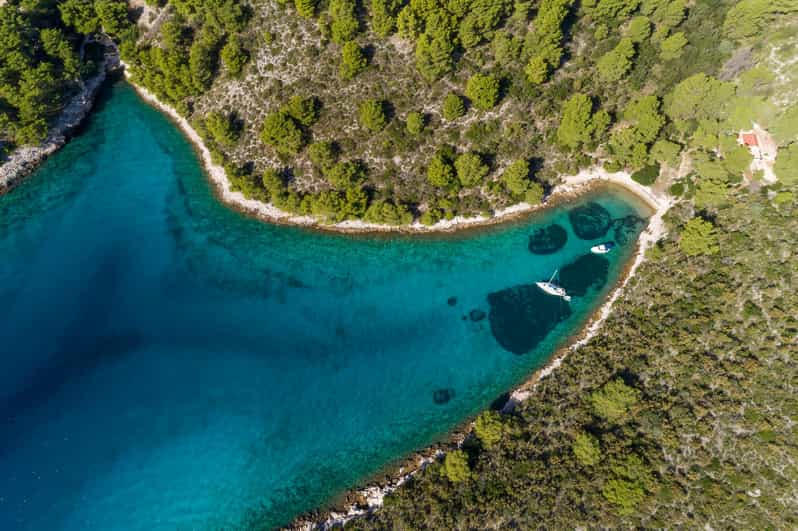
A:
(24, 160)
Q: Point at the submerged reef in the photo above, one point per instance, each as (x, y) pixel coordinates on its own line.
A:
(588, 271)
(521, 316)
(548, 240)
(590, 221)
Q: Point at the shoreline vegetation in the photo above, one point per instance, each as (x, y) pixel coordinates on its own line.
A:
(360, 502)
(24, 160)
(570, 187)
(447, 111)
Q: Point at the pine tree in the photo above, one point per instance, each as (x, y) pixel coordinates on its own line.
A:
(305, 8)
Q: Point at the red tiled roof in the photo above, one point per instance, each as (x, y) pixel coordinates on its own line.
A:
(749, 139)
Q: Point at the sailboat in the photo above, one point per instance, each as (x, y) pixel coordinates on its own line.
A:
(553, 289)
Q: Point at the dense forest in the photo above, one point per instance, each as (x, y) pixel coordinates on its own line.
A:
(681, 413)
(45, 55)
(389, 111)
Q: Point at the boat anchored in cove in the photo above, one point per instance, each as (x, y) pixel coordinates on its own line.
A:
(602, 248)
(553, 289)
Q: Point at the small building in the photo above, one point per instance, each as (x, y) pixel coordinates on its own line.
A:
(750, 140)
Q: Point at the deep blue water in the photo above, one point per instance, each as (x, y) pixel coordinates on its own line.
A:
(168, 363)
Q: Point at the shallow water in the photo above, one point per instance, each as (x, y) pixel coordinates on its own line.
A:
(171, 364)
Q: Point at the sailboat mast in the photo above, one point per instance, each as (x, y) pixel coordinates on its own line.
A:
(554, 275)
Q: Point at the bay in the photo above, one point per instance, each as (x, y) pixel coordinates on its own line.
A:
(168, 363)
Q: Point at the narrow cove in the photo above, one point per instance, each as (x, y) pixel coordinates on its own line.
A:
(170, 363)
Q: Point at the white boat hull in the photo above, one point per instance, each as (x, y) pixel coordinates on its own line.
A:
(603, 248)
(553, 289)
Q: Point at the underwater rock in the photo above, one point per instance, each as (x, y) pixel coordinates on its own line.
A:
(521, 316)
(476, 315)
(442, 396)
(590, 221)
(451, 301)
(548, 239)
(590, 270)
(626, 227)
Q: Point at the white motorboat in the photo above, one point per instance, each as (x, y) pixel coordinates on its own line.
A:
(602, 248)
(553, 289)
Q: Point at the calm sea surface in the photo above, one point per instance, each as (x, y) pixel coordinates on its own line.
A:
(168, 363)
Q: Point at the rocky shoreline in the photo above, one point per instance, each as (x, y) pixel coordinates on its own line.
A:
(364, 501)
(572, 186)
(361, 502)
(22, 161)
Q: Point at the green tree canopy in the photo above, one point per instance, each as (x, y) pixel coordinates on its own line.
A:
(616, 63)
(586, 449)
(372, 115)
(353, 60)
(639, 29)
(202, 60)
(386, 212)
(281, 132)
(666, 152)
(576, 126)
(698, 237)
(543, 45)
(221, 128)
(343, 175)
(440, 172)
(489, 428)
(537, 70)
(748, 18)
(711, 192)
(614, 400)
(665, 13)
(483, 91)
(644, 115)
(455, 466)
(671, 48)
(273, 183)
(305, 8)
(471, 170)
(383, 18)
(506, 47)
(785, 128)
(534, 193)
(415, 123)
(434, 56)
(609, 9)
(453, 107)
(627, 147)
(516, 177)
(322, 154)
(305, 110)
(625, 495)
(112, 15)
(234, 56)
(699, 96)
(344, 24)
(81, 15)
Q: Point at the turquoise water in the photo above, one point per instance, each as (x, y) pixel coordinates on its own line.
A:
(171, 364)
